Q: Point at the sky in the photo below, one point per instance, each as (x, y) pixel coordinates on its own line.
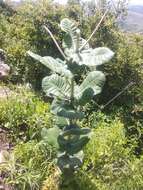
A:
(136, 2)
(133, 2)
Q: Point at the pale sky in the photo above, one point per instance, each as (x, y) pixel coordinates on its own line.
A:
(134, 2)
(137, 2)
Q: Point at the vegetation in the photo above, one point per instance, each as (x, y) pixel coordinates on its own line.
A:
(113, 157)
(23, 114)
(69, 97)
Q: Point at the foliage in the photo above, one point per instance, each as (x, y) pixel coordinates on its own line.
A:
(109, 162)
(129, 58)
(69, 97)
(22, 31)
(113, 158)
(53, 181)
(28, 165)
(124, 69)
(23, 114)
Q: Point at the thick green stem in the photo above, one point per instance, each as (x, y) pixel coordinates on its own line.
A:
(72, 96)
(72, 91)
(77, 41)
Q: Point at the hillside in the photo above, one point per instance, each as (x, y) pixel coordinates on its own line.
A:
(136, 8)
(134, 20)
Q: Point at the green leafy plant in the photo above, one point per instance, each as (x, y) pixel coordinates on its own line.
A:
(70, 96)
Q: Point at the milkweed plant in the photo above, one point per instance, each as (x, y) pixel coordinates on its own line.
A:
(70, 96)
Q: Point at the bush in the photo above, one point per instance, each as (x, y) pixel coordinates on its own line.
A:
(23, 114)
(124, 69)
(23, 31)
(110, 163)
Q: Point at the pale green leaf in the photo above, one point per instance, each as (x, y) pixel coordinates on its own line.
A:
(56, 86)
(68, 26)
(95, 57)
(91, 86)
(72, 36)
(64, 109)
(50, 136)
(55, 65)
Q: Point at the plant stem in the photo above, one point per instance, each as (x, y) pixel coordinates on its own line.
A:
(72, 97)
(72, 90)
(52, 36)
(94, 31)
(77, 41)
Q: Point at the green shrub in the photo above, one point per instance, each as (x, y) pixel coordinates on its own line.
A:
(110, 163)
(23, 114)
(23, 31)
(126, 67)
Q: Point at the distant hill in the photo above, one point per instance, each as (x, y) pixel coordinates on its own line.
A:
(136, 8)
(134, 20)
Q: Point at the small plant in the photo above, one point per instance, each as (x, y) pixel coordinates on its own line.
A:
(70, 96)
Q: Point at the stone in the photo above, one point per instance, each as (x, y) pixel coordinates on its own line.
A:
(4, 68)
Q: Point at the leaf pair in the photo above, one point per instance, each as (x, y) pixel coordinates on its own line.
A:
(73, 140)
(64, 109)
(88, 56)
(58, 86)
(58, 139)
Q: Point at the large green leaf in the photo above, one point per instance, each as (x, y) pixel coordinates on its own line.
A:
(72, 145)
(57, 86)
(64, 109)
(91, 86)
(94, 79)
(68, 163)
(61, 122)
(50, 136)
(55, 65)
(68, 26)
(68, 45)
(76, 131)
(72, 37)
(95, 57)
